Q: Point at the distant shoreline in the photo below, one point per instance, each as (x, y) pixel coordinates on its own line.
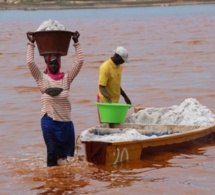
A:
(56, 6)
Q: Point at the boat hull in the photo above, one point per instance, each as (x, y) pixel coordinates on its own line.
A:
(113, 152)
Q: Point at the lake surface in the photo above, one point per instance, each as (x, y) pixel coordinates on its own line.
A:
(171, 51)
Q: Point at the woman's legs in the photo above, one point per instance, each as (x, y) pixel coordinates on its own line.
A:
(65, 135)
(59, 138)
(49, 138)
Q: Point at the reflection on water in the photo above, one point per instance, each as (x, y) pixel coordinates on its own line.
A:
(171, 51)
(82, 177)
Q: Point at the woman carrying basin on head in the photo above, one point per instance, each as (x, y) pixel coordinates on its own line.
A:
(56, 123)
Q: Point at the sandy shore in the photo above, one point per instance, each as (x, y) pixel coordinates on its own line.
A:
(54, 5)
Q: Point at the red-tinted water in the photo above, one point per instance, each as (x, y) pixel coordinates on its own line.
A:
(171, 51)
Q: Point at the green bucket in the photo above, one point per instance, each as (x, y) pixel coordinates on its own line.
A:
(113, 112)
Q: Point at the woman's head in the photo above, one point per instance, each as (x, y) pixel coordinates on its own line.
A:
(53, 63)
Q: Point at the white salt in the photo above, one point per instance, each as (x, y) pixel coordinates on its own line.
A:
(51, 25)
(189, 112)
(128, 135)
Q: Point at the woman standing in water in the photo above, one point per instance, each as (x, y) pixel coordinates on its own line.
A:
(57, 126)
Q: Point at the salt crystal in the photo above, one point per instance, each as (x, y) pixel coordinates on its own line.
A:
(51, 25)
(189, 112)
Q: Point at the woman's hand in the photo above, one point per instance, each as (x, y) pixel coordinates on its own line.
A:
(30, 37)
(75, 36)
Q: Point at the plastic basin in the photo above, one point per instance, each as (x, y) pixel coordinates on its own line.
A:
(112, 112)
(53, 41)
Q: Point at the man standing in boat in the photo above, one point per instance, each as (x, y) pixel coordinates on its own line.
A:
(110, 73)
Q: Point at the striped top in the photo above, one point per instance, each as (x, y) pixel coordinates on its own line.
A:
(57, 107)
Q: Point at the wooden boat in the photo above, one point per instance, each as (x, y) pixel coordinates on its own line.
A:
(113, 152)
(158, 137)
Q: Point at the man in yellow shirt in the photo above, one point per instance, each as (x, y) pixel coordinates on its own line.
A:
(110, 74)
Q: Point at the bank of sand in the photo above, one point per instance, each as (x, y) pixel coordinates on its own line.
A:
(97, 4)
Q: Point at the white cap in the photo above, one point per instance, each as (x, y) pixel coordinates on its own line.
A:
(122, 52)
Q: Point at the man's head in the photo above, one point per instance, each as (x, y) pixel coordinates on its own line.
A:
(122, 52)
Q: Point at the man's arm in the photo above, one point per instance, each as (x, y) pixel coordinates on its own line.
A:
(104, 93)
(127, 100)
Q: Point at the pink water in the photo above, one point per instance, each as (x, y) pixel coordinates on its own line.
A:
(171, 51)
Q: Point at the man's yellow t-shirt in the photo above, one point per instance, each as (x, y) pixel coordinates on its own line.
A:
(110, 77)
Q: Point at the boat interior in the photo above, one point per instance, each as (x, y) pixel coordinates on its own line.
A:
(148, 130)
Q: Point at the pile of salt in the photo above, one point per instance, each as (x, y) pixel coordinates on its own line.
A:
(189, 112)
(51, 25)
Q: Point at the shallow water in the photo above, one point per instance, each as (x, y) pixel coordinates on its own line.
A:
(171, 51)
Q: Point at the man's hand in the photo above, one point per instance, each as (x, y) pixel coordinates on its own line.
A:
(108, 99)
(127, 100)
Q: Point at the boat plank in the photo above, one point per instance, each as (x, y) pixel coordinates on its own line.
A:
(113, 152)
